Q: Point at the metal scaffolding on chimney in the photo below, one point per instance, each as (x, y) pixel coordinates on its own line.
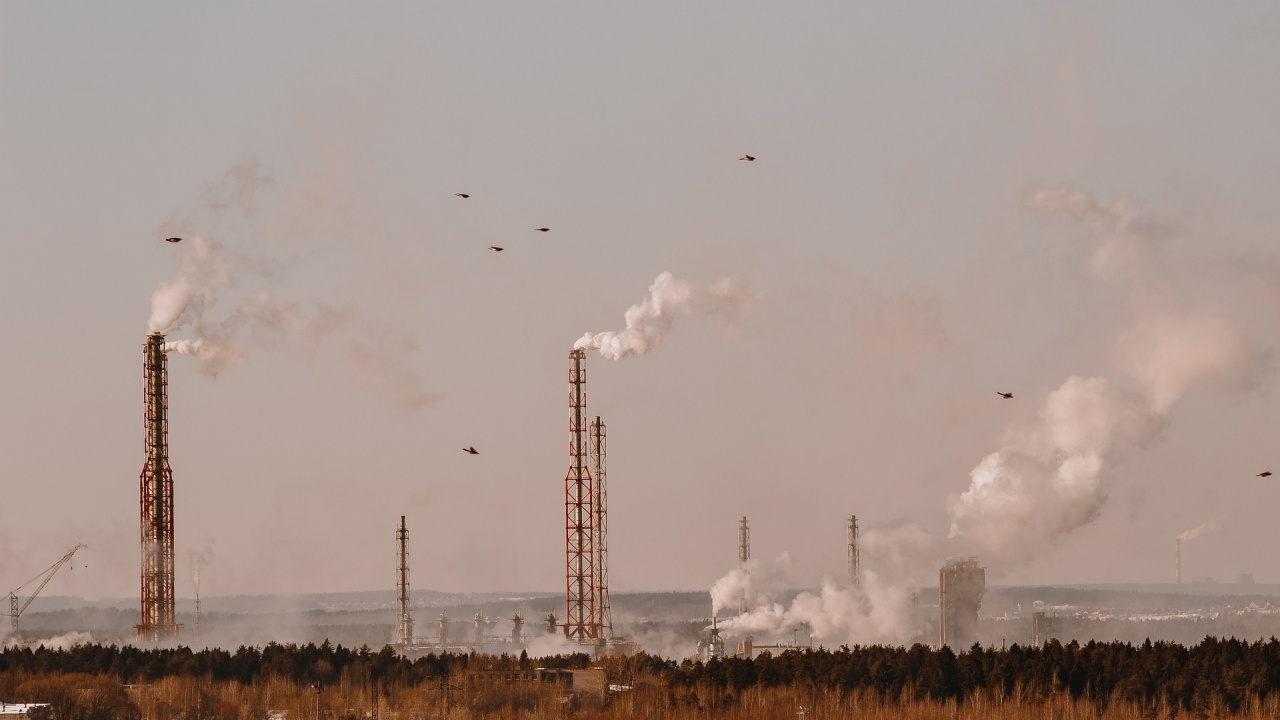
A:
(404, 625)
(157, 621)
(581, 621)
(601, 584)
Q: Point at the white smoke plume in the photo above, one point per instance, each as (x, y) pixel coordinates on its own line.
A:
(198, 561)
(875, 611)
(57, 642)
(1127, 238)
(205, 299)
(238, 189)
(1212, 526)
(648, 322)
(204, 268)
(1048, 479)
(750, 584)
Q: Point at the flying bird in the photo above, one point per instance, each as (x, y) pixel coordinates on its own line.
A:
(542, 229)
(748, 158)
(173, 240)
(470, 451)
(1006, 396)
(1265, 474)
(495, 248)
(464, 196)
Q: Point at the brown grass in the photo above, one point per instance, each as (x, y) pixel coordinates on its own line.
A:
(468, 696)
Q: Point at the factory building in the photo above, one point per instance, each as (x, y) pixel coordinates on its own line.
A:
(961, 585)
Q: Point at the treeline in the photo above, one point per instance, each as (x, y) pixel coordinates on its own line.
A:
(1214, 678)
(303, 664)
(1227, 674)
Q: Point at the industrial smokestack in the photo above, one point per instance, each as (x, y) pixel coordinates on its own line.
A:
(581, 623)
(1177, 560)
(157, 617)
(601, 589)
(517, 629)
(853, 550)
(404, 626)
(744, 554)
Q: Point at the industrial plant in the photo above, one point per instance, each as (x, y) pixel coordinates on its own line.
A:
(588, 611)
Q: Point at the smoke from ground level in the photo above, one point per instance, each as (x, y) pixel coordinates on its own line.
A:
(1048, 479)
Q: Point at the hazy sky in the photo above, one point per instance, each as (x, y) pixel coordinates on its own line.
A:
(901, 273)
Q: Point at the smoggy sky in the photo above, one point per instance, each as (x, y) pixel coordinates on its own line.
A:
(1074, 205)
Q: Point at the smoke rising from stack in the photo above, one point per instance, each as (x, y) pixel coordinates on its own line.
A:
(650, 320)
(1212, 526)
(198, 561)
(1049, 477)
(206, 298)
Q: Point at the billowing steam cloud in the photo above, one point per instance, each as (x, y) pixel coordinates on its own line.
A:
(650, 320)
(872, 612)
(1048, 479)
(1212, 526)
(203, 270)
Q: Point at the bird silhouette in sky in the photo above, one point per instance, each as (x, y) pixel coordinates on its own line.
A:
(464, 196)
(470, 451)
(748, 158)
(173, 240)
(495, 248)
(1265, 474)
(1006, 396)
(542, 229)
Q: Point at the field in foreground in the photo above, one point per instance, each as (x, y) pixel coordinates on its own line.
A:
(1216, 678)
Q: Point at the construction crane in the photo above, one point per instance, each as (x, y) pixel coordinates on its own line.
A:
(14, 609)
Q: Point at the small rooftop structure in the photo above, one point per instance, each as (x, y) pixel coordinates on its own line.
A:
(19, 709)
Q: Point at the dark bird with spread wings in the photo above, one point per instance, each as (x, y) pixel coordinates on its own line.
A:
(1265, 474)
(464, 196)
(748, 158)
(173, 240)
(1006, 396)
(543, 229)
(470, 451)
(495, 248)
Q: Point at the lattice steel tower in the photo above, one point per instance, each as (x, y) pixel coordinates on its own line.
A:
(404, 626)
(744, 552)
(157, 620)
(601, 584)
(853, 551)
(581, 622)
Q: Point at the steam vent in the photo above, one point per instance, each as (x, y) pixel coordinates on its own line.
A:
(961, 584)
